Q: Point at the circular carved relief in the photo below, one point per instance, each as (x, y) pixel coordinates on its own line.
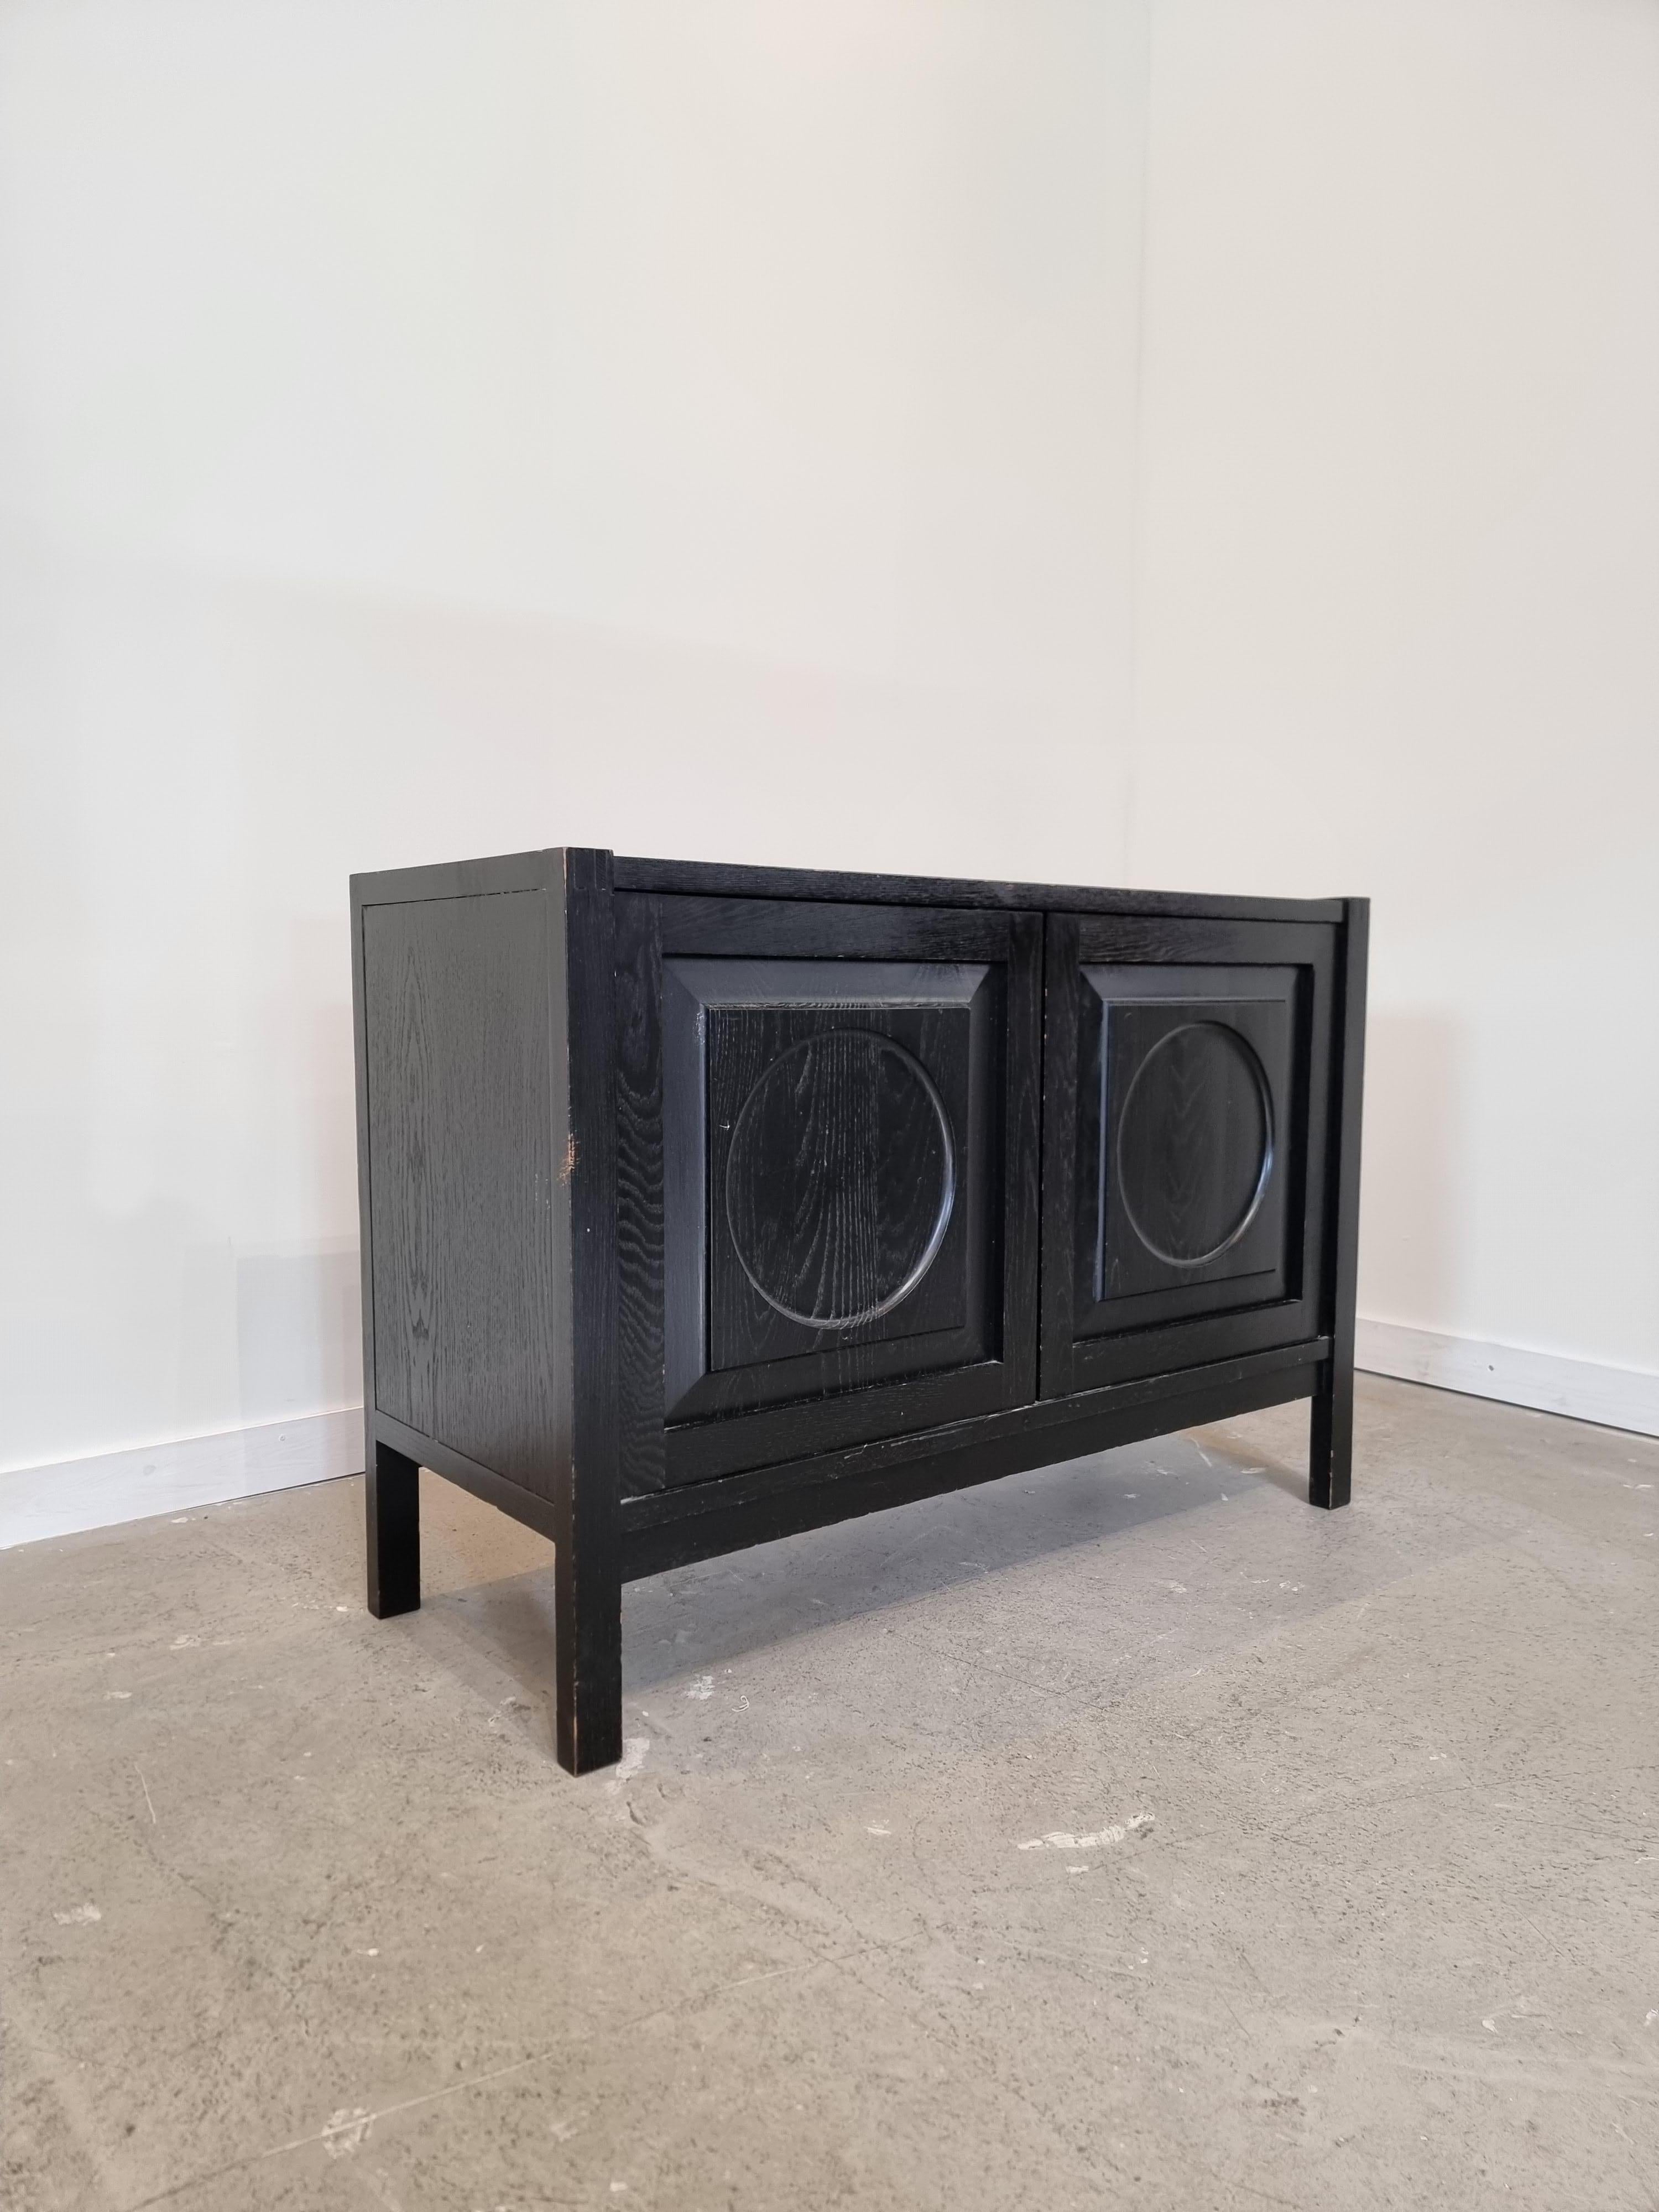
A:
(841, 1179)
(1195, 1143)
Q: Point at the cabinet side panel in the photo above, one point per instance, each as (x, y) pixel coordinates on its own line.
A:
(364, 1212)
(460, 1175)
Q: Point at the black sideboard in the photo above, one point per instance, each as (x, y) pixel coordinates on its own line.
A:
(703, 1205)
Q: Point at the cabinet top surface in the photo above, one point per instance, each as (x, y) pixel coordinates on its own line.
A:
(717, 879)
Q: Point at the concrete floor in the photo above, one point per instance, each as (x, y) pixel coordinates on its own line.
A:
(1129, 1834)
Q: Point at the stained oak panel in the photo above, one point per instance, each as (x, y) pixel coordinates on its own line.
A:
(711, 879)
(832, 1171)
(461, 1176)
(639, 1353)
(1184, 1120)
(1187, 1141)
(700, 1521)
(827, 1168)
(837, 1170)
(1194, 1149)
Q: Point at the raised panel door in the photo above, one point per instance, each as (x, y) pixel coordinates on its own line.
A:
(1186, 1068)
(830, 1163)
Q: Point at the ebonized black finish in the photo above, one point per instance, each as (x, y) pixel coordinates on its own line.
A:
(843, 1145)
(703, 1204)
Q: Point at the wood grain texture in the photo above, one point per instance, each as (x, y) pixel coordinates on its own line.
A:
(741, 1017)
(640, 1322)
(481, 878)
(698, 1451)
(1114, 1307)
(1021, 1225)
(461, 1174)
(528, 1507)
(1063, 1107)
(839, 1179)
(751, 1377)
(1184, 1185)
(716, 880)
(1041, 1419)
(1120, 939)
(840, 1154)
(1331, 1441)
(679, 1526)
(581, 987)
(792, 929)
(1193, 1145)
(365, 1212)
(725, 1021)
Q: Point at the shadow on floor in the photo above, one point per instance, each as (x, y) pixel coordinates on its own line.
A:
(694, 1619)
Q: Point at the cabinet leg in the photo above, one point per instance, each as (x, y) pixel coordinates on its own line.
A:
(392, 1497)
(1330, 1442)
(587, 1630)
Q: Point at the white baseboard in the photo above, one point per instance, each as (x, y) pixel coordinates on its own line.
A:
(1614, 1397)
(37, 1501)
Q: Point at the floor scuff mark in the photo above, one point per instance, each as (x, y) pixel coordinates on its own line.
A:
(634, 1748)
(1062, 1840)
(347, 2130)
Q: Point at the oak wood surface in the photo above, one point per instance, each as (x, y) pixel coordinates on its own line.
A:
(831, 929)
(840, 1176)
(639, 1317)
(738, 985)
(1148, 1315)
(581, 987)
(720, 880)
(461, 1174)
(703, 1520)
(1331, 1453)
(1153, 1158)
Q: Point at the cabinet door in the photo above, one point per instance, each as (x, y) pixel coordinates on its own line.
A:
(828, 1162)
(1187, 1080)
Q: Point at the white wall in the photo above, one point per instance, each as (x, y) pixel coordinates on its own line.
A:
(1398, 591)
(442, 429)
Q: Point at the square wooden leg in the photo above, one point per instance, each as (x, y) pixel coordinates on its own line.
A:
(392, 1497)
(1330, 1443)
(587, 1629)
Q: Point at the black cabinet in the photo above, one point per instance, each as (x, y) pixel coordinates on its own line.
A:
(702, 1205)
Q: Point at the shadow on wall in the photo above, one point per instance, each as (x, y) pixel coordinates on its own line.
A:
(1407, 1258)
